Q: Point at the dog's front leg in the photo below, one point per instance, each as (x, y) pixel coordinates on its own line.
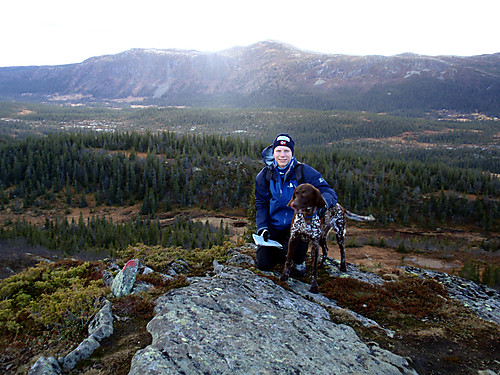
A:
(289, 256)
(314, 272)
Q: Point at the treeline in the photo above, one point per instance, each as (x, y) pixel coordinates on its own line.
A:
(164, 170)
(488, 274)
(344, 130)
(413, 95)
(101, 234)
(470, 144)
(209, 171)
(429, 194)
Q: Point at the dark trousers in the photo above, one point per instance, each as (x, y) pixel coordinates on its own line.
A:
(268, 257)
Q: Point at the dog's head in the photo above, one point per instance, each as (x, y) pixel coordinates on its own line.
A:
(306, 199)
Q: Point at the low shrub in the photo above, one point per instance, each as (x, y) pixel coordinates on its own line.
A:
(60, 296)
(160, 258)
(394, 303)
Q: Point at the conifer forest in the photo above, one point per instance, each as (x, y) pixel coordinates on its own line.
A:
(421, 172)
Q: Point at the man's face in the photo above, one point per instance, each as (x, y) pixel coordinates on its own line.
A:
(282, 155)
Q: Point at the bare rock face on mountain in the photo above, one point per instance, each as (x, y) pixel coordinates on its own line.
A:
(237, 322)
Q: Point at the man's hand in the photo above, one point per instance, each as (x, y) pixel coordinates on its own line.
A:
(264, 233)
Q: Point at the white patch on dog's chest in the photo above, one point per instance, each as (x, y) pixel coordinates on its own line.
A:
(310, 228)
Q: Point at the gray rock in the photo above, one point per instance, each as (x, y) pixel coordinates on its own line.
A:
(101, 325)
(146, 270)
(486, 372)
(45, 366)
(303, 289)
(333, 269)
(177, 267)
(107, 277)
(165, 277)
(218, 268)
(237, 322)
(83, 351)
(238, 258)
(140, 287)
(124, 281)
(241, 259)
(180, 266)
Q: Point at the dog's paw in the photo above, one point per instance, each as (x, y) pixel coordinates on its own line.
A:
(284, 277)
(343, 267)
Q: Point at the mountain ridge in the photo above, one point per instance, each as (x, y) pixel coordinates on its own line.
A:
(268, 74)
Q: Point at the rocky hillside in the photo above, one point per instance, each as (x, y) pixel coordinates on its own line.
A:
(268, 74)
(234, 320)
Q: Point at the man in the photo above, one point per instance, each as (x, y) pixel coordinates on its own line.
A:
(274, 186)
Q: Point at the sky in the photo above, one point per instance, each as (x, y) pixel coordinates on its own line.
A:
(57, 32)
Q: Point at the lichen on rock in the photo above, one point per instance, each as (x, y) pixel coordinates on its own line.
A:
(237, 322)
(124, 281)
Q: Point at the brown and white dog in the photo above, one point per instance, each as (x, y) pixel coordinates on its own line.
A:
(309, 227)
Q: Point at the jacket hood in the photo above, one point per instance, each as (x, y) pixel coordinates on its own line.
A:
(267, 155)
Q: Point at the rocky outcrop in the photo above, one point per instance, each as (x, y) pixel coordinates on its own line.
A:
(45, 366)
(101, 325)
(99, 328)
(237, 322)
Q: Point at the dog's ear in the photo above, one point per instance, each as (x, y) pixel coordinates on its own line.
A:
(320, 201)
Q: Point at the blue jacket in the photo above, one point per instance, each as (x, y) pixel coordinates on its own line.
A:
(271, 198)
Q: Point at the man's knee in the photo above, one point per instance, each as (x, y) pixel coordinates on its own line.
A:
(268, 257)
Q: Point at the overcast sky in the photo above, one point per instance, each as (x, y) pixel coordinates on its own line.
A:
(54, 32)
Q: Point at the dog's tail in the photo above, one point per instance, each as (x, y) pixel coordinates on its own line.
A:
(353, 216)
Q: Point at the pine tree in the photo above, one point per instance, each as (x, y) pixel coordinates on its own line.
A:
(83, 201)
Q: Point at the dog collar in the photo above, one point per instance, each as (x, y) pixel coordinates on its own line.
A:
(313, 215)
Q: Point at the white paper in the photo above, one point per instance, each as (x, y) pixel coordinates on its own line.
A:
(259, 240)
